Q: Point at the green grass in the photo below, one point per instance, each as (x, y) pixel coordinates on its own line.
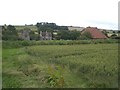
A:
(84, 65)
(16, 44)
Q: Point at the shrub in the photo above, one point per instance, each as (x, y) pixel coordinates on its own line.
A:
(55, 77)
(17, 44)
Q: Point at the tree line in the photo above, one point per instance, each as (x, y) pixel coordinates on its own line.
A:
(11, 33)
(45, 26)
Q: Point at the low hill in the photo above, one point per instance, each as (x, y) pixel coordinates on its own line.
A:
(32, 27)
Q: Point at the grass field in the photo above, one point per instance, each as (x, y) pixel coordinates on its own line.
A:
(33, 28)
(68, 66)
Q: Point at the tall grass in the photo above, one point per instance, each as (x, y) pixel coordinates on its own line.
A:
(88, 65)
(17, 44)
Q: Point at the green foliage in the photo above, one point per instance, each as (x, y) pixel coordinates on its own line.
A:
(12, 81)
(74, 35)
(34, 36)
(68, 35)
(86, 35)
(55, 77)
(119, 32)
(45, 26)
(63, 35)
(113, 36)
(9, 33)
(82, 66)
(105, 32)
(18, 44)
(62, 28)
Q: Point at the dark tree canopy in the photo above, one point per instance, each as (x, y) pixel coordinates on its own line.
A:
(45, 26)
(34, 36)
(86, 35)
(68, 35)
(9, 33)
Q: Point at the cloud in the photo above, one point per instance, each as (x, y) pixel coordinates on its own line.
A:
(104, 24)
(62, 12)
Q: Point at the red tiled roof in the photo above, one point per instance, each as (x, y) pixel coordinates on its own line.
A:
(96, 34)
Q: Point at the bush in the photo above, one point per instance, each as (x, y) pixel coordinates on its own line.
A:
(17, 44)
(55, 77)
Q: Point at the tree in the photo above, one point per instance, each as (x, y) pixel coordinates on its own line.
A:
(45, 26)
(86, 35)
(105, 32)
(74, 35)
(34, 36)
(62, 35)
(62, 28)
(10, 33)
(114, 32)
(113, 36)
(68, 35)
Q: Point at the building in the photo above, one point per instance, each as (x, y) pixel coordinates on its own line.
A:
(24, 34)
(45, 35)
(95, 33)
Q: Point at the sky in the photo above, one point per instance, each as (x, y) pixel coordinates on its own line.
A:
(83, 13)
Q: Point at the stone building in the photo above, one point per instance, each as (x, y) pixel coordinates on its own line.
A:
(45, 35)
(24, 34)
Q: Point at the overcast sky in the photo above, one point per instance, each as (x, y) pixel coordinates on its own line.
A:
(96, 13)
